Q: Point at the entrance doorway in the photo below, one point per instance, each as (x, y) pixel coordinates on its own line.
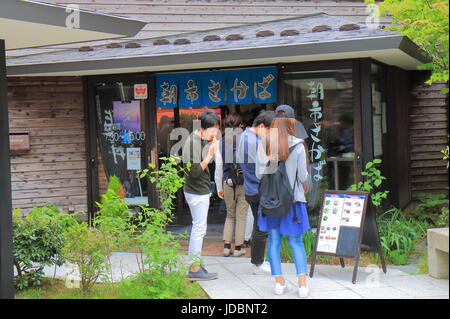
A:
(171, 118)
(337, 101)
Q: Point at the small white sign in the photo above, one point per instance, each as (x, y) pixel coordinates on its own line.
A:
(133, 158)
(140, 91)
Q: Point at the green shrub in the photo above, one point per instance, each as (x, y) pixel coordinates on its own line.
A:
(309, 239)
(372, 181)
(146, 285)
(285, 250)
(162, 272)
(111, 203)
(38, 239)
(159, 246)
(53, 212)
(442, 220)
(432, 209)
(88, 248)
(397, 234)
(114, 184)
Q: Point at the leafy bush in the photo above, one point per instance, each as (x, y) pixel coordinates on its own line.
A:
(397, 234)
(372, 181)
(309, 239)
(53, 212)
(160, 247)
(432, 209)
(149, 286)
(112, 203)
(88, 248)
(442, 221)
(161, 265)
(38, 239)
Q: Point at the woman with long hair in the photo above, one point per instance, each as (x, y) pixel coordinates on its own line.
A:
(281, 145)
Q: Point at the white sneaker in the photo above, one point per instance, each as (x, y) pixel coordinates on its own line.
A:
(262, 269)
(303, 292)
(239, 253)
(281, 290)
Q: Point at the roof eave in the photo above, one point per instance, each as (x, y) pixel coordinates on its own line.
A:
(233, 57)
(94, 25)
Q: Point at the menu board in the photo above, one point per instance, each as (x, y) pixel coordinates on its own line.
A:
(340, 222)
(344, 221)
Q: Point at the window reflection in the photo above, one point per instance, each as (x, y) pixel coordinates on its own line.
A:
(121, 137)
(378, 110)
(324, 104)
(165, 124)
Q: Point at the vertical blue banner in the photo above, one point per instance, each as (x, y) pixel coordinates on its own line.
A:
(265, 85)
(166, 90)
(190, 86)
(240, 87)
(214, 87)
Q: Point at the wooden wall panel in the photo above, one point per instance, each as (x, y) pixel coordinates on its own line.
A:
(399, 149)
(428, 125)
(54, 170)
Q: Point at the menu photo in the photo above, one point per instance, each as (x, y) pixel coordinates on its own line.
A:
(329, 226)
(352, 212)
(332, 210)
(328, 236)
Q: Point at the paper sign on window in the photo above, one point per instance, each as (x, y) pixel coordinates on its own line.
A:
(133, 158)
(140, 91)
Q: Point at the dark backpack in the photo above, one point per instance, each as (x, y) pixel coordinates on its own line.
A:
(276, 193)
(236, 173)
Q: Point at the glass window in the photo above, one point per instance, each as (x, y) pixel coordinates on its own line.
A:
(169, 118)
(378, 109)
(165, 117)
(323, 101)
(121, 137)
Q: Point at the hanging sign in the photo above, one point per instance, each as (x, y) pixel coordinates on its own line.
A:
(240, 87)
(214, 87)
(190, 87)
(167, 91)
(245, 86)
(264, 85)
(341, 228)
(140, 91)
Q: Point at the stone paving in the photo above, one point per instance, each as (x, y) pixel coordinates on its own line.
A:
(236, 280)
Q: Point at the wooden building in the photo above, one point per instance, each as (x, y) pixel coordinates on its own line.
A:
(27, 24)
(56, 96)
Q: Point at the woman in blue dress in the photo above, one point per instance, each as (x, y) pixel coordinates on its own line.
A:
(282, 145)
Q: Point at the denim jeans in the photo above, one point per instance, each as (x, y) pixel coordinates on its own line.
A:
(298, 252)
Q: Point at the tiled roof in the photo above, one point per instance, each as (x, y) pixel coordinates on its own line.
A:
(313, 28)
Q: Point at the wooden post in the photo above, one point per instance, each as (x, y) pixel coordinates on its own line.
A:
(6, 245)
